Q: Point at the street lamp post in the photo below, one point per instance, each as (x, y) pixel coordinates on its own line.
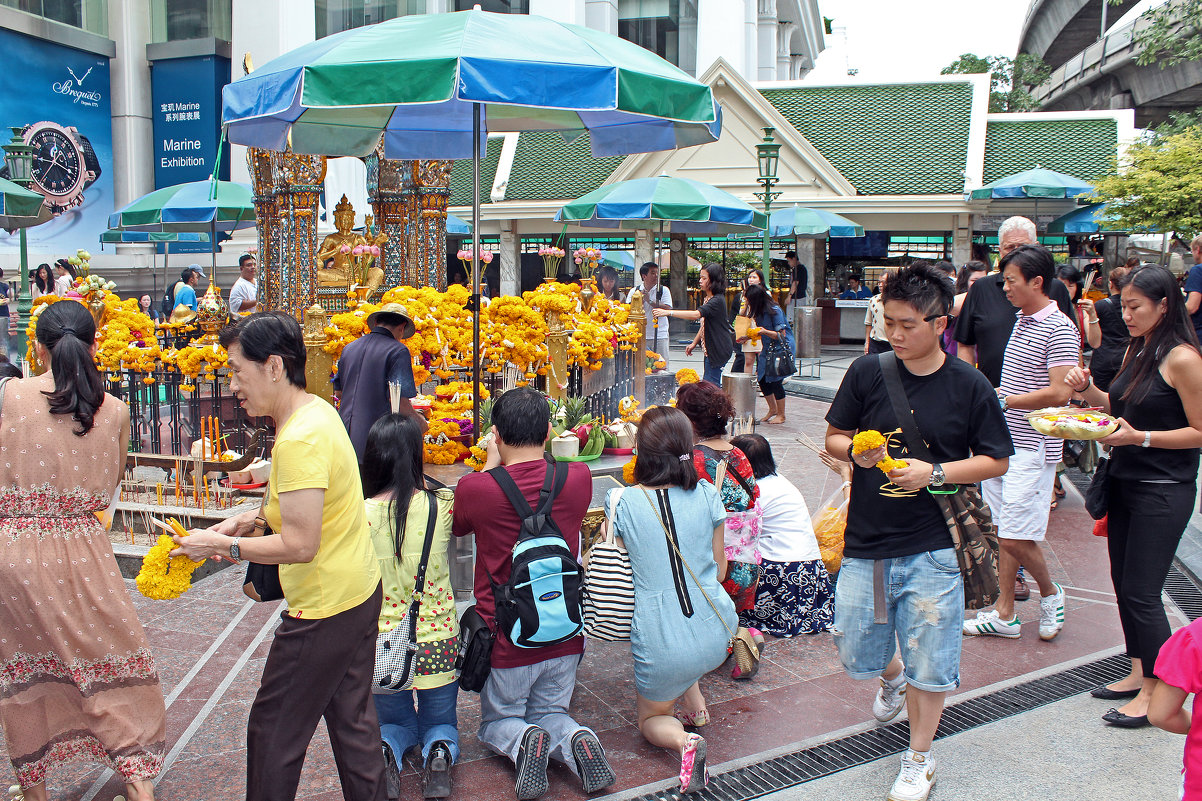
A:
(768, 155)
(18, 156)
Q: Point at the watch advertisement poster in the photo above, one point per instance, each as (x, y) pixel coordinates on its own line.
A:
(186, 112)
(61, 97)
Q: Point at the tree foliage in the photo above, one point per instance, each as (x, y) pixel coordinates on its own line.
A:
(1008, 78)
(1158, 186)
(1177, 122)
(1173, 35)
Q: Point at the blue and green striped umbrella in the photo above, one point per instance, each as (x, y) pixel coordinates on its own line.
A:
(1037, 183)
(676, 205)
(21, 207)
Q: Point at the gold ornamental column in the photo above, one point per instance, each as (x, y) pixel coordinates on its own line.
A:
(387, 180)
(427, 207)
(298, 181)
(557, 356)
(639, 318)
(319, 364)
(266, 213)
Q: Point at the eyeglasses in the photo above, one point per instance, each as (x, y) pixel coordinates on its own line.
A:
(932, 317)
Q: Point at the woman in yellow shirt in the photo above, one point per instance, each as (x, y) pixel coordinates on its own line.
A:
(323, 654)
(398, 514)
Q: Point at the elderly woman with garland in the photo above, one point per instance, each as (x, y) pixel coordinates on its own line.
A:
(321, 661)
(77, 678)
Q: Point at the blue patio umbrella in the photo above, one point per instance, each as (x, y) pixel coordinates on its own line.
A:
(620, 260)
(117, 236)
(1035, 184)
(457, 226)
(802, 221)
(677, 205)
(1085, 220)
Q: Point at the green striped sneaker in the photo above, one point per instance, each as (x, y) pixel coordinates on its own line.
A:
(989, 623)
(1051, 614)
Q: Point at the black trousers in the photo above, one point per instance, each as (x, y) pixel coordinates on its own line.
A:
(1145, 523)
(316, 669)
(773, 388)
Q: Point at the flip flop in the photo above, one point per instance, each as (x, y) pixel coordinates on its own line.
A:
(695, 719)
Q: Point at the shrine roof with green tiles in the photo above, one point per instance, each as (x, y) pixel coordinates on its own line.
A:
(545, 167)
(1082, 148)
(461, 175)
(904, 139)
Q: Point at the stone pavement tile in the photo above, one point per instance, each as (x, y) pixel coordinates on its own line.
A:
(224, 730)
(804, 656)
(206, 777)
(771, 719)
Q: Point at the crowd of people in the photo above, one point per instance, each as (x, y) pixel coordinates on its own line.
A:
(719, 543)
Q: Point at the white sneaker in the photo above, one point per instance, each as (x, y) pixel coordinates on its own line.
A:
(916, 779)
(990, 623)
(1051, 614)
(890, 698)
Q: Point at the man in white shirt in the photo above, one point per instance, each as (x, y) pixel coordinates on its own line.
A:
(244, 296)
(655, 296)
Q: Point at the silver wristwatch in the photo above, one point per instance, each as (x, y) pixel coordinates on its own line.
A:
(235, 551)
(937, 476)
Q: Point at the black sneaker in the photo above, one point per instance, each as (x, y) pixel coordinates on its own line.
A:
(591, 764)
(531, 764)
(392, 775)
(436, 778)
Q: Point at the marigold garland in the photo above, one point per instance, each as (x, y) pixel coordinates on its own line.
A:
(628, 470)
(163, 576)
(868, 440)
(686, 375)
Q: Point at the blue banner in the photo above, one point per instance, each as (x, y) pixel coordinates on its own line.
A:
(63, 94)
(186, 105)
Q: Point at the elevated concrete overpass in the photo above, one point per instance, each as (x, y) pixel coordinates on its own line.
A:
(1056, 30)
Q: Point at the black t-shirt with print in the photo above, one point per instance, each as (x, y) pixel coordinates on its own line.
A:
(958, 415)
(719, 341)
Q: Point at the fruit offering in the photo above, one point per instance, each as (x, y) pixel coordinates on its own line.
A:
(1068, 422)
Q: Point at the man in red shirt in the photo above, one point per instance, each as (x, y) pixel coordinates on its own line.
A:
(524, 703)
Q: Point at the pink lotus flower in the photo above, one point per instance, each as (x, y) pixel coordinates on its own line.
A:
(375, 250)
(486, 257)
(344, 249)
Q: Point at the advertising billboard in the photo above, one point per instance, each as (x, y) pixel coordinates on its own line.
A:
(186, 107)
(60, 96)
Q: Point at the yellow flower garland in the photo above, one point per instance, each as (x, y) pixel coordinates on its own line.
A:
(163, 576)
(686, 375)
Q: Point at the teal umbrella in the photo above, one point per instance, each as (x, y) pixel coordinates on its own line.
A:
(121, 237)
(21, 207)
(1085, 220)
(1035, 184)
(457, 226)
(677, 205)
(802, 221)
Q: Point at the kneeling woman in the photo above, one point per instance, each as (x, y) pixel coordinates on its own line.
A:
(672, 526)
(398, 514)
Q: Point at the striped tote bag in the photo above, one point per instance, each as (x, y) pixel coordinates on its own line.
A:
(608, 586)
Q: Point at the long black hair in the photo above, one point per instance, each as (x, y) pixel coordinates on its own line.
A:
(1175, 328)
(605, 271)
(759, 302)
(47, 284)
(717, 276)
(67, 330)
(392, 462)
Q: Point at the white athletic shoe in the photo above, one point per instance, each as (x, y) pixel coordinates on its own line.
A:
(915, 780)
(890, 698)
(990, 623)
(1051, 614)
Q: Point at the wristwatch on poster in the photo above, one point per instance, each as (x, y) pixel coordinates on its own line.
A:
(937, 476)
(64, 163)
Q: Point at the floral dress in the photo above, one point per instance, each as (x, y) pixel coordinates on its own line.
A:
(77, 679)
(740, 498)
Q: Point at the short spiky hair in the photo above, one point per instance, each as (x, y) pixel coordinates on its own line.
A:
(923, 287)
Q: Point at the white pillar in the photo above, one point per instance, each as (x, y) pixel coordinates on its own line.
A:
(601, 15)
(687, 39)
(962, 239)
(785, 71)
(812, 253)
(569, 11)
(750, 66)
(644, 249)
(265, 29)
(766, 41)
(511, 258)
(717, 24)
(129, 79)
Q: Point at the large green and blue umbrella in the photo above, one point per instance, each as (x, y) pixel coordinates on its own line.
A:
(121, 237)
(1038, 183)
(414, 82)
(1085, 220)
(21, 207)
(802, 221)
(457, 226)
(198, 206)
(676, 205)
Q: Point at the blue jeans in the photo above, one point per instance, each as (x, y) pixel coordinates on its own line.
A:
(712, 372)
(402, 727)
(514, 699)
(924, 599)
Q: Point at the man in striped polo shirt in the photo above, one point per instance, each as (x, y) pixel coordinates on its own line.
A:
(1043, 347)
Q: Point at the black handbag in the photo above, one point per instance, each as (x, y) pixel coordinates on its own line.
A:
(778, 358)
(263, 581)
(1096, 496)
(474, 661)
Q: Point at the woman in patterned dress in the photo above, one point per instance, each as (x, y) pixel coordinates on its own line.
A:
(77, 679)
(398, 511)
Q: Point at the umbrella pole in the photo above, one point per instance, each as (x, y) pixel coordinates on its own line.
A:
(213, 247)
(476, 271)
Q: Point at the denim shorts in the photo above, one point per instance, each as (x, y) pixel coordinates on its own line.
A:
(924, 598)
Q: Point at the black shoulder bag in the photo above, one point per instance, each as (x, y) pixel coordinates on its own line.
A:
(967, 516)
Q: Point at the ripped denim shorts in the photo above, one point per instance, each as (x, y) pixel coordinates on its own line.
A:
(924, 607)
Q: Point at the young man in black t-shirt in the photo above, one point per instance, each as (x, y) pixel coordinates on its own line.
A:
(898, 554)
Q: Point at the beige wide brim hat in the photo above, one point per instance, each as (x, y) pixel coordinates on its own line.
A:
(394, 310)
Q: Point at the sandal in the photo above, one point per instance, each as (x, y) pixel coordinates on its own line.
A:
(692, 765)
(694, 719)
(1055, 503)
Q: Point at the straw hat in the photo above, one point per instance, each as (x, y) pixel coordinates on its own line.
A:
(392, 310)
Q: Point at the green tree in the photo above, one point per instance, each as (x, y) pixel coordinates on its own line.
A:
(1177, 122)
(1008, 78)
(1158, 186)
(1173, 35)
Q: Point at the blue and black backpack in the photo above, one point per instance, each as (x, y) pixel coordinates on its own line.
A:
(540, 605)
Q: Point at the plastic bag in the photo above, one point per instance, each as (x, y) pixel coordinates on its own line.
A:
(829, 522)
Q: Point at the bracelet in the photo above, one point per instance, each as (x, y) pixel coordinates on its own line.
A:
(851, 457)
(1094, 321)
(1088, 384)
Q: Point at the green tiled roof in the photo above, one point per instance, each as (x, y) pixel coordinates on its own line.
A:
(547, 168)
(905, 139)
(1082, 148)
(461, 175)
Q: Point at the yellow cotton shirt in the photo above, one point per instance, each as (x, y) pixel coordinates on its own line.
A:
(313, 451)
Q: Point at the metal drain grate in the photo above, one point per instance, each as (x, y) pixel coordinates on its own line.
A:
(825, 759)
(1184, 592)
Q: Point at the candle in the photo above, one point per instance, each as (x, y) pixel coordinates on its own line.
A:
(217, 438)
(158, 491)
(203, 440)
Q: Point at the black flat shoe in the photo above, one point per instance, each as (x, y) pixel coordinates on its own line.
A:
(436, 776)
(1117, 718)
(1107, 694)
